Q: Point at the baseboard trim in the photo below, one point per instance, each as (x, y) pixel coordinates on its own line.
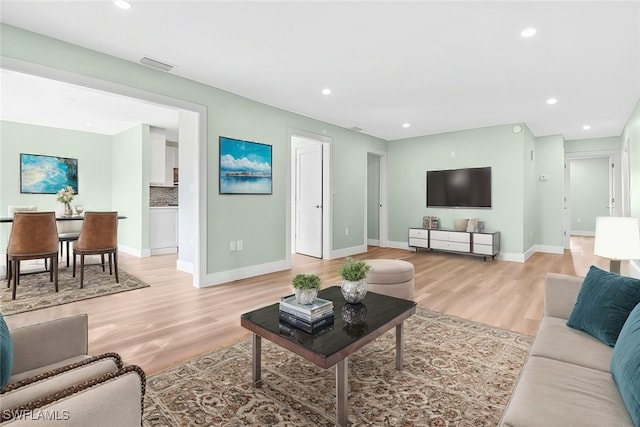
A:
(164, 251)
(582, 233)
(354, 250)
(140, 253)
(549, 249)
(185, 266)
(243, 273)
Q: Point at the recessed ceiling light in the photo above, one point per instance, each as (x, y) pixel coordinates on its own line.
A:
(326, 91)
(88, 124)
(552, 101)
(122, 4)
(586, 127)
(406, 125)
(528, 32)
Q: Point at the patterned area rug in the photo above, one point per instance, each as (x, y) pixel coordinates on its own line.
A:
(456, 373)
(36, 291)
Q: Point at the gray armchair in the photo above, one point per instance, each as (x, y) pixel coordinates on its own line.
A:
(54, 382)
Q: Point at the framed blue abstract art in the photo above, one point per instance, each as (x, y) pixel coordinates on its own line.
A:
(47, 174)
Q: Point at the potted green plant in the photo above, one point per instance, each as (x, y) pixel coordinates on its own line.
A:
(306, 286)
(354, 285)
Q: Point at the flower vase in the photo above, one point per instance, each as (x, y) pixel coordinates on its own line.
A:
(305, 296)
(354, 292)
(67, 210)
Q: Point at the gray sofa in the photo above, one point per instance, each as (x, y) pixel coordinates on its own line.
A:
(566, 380)
(54, 382)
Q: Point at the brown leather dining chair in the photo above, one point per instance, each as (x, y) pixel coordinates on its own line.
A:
(98, 236)
(33, 236)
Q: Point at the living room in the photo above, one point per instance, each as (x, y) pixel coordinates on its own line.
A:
(527, 211)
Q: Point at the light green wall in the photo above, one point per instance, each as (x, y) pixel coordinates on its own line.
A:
(592, 144)
(93, 152)
(257, 220)
(549, 160)
(130, 177)
(496, 146)
(632, 133)
(589, 192)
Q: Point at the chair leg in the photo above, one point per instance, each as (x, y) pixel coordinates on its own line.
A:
(16, 278)
(51, 269)
(9, 273)
(67, 253)
(54, 261)
(102, 259)
(110, 266)
(74, 264)
(81, 270)
(115, 264)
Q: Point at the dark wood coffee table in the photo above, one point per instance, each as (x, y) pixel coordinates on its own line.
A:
(335, 345)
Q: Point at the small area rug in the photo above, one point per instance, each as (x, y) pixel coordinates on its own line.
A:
(36, 291)
(456, 373)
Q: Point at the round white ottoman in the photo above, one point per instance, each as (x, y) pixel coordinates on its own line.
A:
(391, 277)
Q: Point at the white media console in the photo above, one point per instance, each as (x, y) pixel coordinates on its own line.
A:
(472, 243)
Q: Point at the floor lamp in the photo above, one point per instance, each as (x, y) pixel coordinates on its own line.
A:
(617, 238)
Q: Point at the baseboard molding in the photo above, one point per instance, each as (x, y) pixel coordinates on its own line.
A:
(582, 233)
(399, 245)
(243, 273)
(185, 266)
(164, 251)
(549, 249)
(511, 256)
(373, 242)
(354, 250)
(140, 253)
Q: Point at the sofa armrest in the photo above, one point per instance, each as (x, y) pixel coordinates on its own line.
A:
(42, 344)
(114, 399)
(560, 294)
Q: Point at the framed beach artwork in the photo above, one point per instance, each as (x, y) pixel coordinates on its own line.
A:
(47, 174)
(245, 167)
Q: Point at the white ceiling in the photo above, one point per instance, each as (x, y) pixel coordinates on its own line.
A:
(440, 66)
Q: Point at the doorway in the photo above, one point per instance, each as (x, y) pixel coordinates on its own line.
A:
(193, 126)
(376, 194)
(592, 189)
(310, 194)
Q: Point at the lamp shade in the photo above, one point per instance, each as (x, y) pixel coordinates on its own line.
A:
(617, 238)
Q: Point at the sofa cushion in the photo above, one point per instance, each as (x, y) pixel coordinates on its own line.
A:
(33, 372)
(604, 303)
(556, 341)
(625, 364)
(6, 352)
(554, 393)
(55, 380)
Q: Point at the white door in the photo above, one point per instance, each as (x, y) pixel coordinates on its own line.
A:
(309, 200)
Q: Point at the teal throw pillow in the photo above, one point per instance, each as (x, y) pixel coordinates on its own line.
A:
(625, 364)
(6, 352)
(604, 303)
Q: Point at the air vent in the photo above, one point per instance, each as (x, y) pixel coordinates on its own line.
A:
(355, 129)
(156, 64)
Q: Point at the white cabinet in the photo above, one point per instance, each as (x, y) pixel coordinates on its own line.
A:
(457, 241)
(486, 243)
(419, 238)
(480, 244)
(163, 230)
(158, 158)
(171, 161)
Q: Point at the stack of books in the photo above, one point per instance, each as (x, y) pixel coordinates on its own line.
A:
(309, 318)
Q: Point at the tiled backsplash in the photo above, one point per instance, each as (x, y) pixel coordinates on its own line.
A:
(163, 196)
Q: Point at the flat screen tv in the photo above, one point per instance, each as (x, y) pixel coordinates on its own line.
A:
(459, 188)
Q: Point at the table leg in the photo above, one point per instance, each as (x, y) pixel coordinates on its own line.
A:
(399, 346)
(256, 371)
(342, 390)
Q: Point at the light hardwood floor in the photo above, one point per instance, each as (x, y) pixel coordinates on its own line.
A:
(172, 321)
